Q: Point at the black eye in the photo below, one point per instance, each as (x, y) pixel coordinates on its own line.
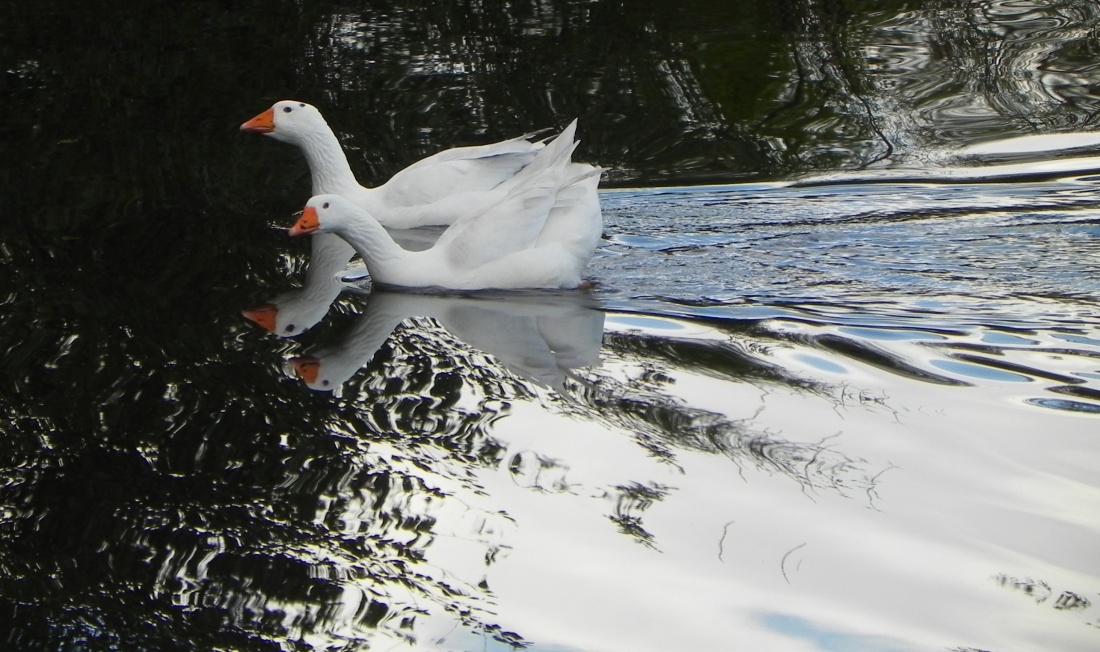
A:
(302, 104)
(325, 383)
(325, 205)
(290, 328)
(287, 109)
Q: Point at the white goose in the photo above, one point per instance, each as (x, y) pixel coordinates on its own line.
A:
(540, 234)
(433, 191)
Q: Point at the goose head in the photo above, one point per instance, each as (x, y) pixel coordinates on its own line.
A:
(290, 314)
(265, 315)
(306, 367)
(289, 121)
(315, 372)
(324, 214)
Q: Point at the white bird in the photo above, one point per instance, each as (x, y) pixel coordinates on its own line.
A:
(433, 191)
(540, 234)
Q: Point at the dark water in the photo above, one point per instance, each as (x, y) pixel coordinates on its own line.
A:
(845, 396)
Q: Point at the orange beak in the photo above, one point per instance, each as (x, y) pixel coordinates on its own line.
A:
(306, 367)
(307, 223)
(263, 315)
(261, 124)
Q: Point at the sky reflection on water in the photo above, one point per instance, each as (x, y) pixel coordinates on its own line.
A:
(821, 492)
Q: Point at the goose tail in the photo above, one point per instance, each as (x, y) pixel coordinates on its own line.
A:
(559, 151)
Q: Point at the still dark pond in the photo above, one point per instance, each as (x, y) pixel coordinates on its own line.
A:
(837, 385)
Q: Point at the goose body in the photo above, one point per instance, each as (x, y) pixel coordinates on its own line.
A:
(540, 233)
(433, 191)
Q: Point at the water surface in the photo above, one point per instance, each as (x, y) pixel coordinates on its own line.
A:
(844, 397)
(786, 416)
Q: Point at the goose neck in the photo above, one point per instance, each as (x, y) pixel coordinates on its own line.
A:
(327, 164)
(373, 243)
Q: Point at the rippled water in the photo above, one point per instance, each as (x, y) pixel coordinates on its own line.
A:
(851, 405)
(843, 416)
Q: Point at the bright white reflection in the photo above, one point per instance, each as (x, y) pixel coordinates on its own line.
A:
(1038, 143)
(741, 557)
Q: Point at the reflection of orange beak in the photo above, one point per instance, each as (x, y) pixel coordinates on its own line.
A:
(307, 223)
(263, 315)
(306, 366)
(261, 124)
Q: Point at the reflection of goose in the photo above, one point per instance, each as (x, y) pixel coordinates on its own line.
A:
(434, 190)
(293, 313)
(538, 337)
(540, 235)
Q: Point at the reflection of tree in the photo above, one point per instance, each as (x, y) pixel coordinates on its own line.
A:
(230, 519)
(434, 383)
(453, 69)
(1041, 592)
(664, 424)
(278, 514)
(727, 88)
(902, 84)
(317, 542)
(632, 499)
(423, 382)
